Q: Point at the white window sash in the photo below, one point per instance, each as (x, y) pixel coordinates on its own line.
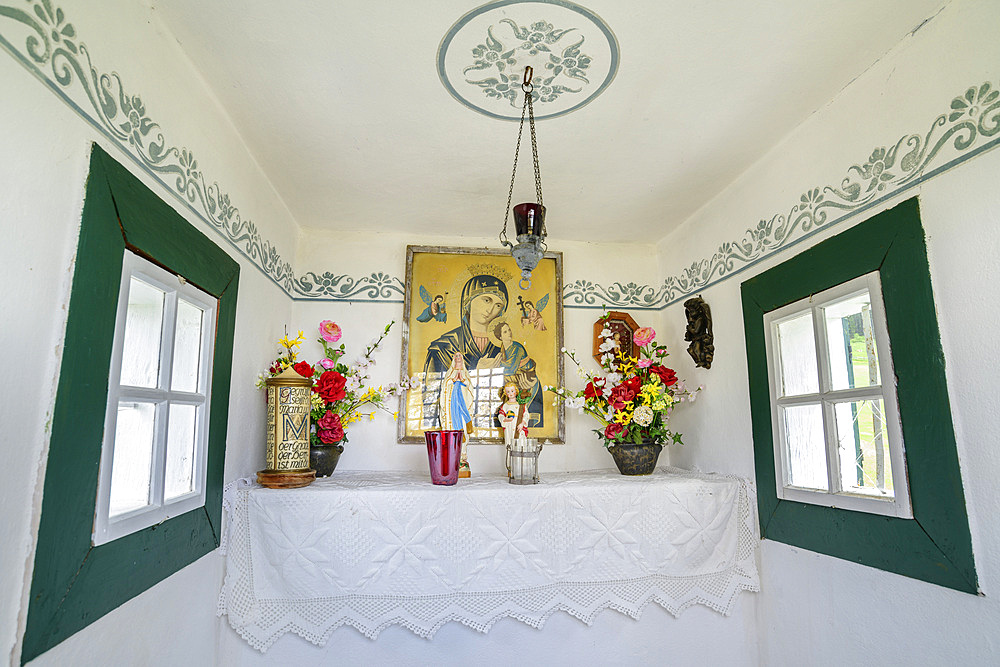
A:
(108, 528)
(827, 398)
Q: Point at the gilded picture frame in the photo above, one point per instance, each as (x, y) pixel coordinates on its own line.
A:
(467, 302)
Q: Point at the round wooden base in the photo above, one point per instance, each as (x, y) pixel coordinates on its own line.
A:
(285, 479)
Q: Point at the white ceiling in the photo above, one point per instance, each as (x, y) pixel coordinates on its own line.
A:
(342, 106)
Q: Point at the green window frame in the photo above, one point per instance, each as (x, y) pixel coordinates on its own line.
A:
(74, 583)
(936, 544)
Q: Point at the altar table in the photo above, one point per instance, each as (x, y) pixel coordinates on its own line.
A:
(374, 549)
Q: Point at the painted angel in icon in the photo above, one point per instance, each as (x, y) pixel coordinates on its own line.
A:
(435, 307)
(531, 312)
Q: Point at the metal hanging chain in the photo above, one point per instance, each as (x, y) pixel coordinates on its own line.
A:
(527, 87)
(534, 153)
(513, 173)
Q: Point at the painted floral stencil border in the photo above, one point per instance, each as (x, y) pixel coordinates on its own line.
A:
(53, 53)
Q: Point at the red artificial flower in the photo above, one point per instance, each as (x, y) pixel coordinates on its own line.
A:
(613, 430)
(620, 395)
(304, 369)
(331, 436)
(592, 391)
(667, 375)
(331, 386)
(329, 421)
(633, 384)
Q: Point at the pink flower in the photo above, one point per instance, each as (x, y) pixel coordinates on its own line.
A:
(644, 363)
(329, 330)
(644, 336)
(327, 363)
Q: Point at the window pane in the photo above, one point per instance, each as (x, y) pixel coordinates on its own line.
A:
(853, 358)
(180, 450)
(143, 323)
(805, 447)
(863, 447)
(429, 397)
(797, 350)
(187, 347)
(130, 470)
(486, 384)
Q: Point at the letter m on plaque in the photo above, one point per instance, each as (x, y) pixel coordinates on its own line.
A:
(292, 431)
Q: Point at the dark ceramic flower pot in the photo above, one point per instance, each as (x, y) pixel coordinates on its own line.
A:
(323, 459)
(633, 459)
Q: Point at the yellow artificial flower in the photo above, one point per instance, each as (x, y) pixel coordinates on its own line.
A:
(623, 417)
(650, 392)
(626, 364)
(659, 406)
(290, 344)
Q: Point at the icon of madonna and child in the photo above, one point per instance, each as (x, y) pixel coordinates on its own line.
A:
(472, 367)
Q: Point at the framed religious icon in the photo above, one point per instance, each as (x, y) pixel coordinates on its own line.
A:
(622, 329)
(469, 329)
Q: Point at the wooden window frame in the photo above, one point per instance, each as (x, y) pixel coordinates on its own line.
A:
(73, 582)
(936, 544)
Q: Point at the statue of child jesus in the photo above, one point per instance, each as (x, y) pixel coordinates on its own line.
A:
(513, 418)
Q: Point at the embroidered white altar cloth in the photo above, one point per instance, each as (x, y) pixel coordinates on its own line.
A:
(374, 549)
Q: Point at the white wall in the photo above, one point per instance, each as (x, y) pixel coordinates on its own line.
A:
(44, 156)
(44, 151)
(815, 609)
(866, 615)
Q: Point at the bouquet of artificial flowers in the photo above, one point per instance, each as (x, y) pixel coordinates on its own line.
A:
(633, 396)
(339, 391)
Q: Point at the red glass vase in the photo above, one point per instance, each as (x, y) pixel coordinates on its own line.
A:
(444, 449)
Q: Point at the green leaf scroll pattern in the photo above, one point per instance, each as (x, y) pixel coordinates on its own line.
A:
(586, 294)
(974, 115)
(494, 68)
(375, 287)
(123, 118)
(53, 50)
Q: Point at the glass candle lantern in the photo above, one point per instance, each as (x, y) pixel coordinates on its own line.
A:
(522, 461)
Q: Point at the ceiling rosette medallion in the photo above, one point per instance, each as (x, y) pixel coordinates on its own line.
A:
(572, 51)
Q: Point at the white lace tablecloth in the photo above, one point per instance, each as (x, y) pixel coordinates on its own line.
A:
(374, 549)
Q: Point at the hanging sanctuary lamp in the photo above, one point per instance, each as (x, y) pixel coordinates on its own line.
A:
(529, 218)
